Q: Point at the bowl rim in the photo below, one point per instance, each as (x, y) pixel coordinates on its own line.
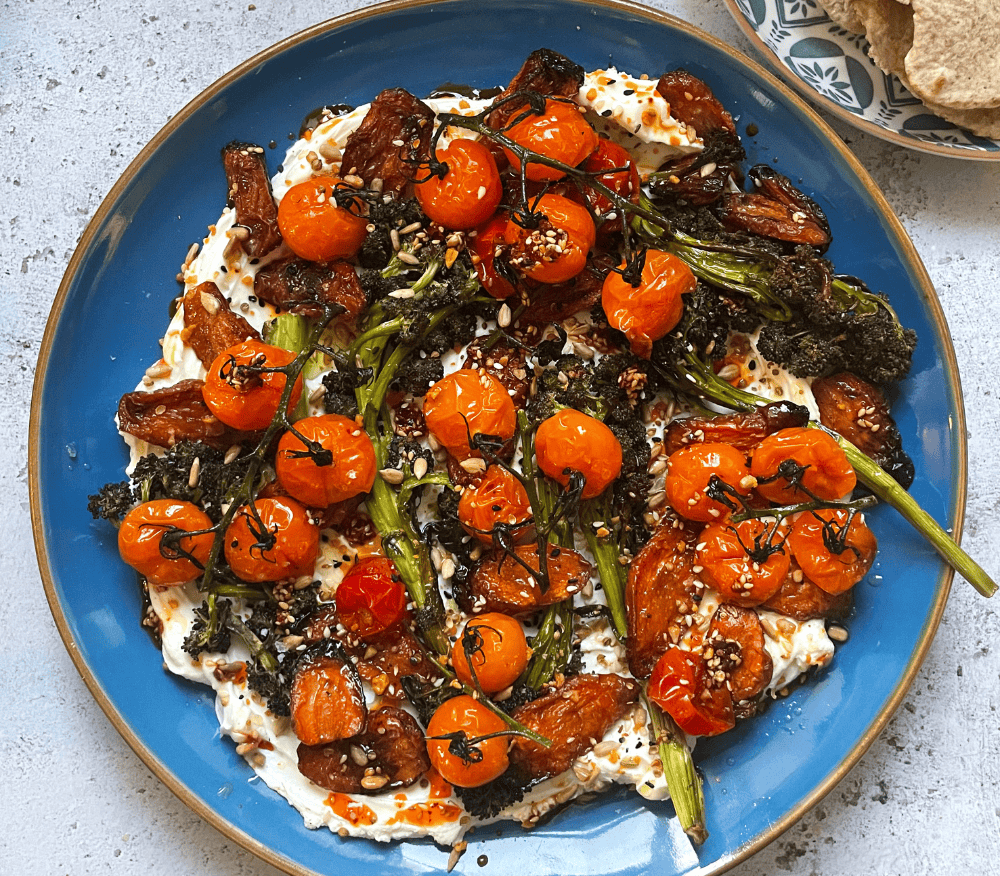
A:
(859, 123)
(908, 253)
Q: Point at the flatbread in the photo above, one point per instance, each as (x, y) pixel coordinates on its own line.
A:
(889, 26)
(842, 13)
(955, 57)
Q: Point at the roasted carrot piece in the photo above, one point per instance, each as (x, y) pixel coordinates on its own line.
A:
(327, 702)
(658, 592)
(574, 716)
(800, 599)
(735, 644)
(502, 584)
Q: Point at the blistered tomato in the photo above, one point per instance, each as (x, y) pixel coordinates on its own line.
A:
(572, 441)
(609, 156)
(345, 470)
(822, 465)
(467, 761)
(240, 393)
(832, 554)
(645, 313)
(746, 563)
(494, 647)
(467, 403)
(682, 687)
(152, 541)
(555, 251)
(469, 191)
(689, 475)
(371, 598)
(498, 498)
(282, 543)
(315, 226)
(484, 246)
(560, 132)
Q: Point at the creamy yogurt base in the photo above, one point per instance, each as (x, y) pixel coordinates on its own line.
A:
(641, 121)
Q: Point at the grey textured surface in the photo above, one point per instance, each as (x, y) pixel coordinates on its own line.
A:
(84, 84)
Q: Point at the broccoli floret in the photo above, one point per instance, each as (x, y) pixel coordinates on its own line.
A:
(112, 501)
(487, 801)
(871, 345)
(417, 374)
(205, 636)
(377, 249)
(339, 397)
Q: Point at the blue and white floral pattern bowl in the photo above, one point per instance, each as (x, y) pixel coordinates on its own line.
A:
(830, 66)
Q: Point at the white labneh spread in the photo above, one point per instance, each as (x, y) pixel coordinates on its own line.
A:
(632, 111)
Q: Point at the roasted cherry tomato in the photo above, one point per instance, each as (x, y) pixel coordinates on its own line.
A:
(241, 396)
(484, 246)
(467, 403)
(286, 546)
(315, 227)
(555, 251)
(470, 764)
(626, 182)
(572, 441)
(372, 598)
(689, 473)
(349, 472)
(560, 132)
(645, 313)
(140, 541)
(498, 650)
(833, 555)
(746, 563)
(468, 193)
(682, 686)
(827, 474)
(498, 498)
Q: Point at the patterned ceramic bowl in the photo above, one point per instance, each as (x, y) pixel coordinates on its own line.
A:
(830, 66)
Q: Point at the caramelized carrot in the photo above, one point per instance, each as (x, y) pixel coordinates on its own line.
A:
(327, 702)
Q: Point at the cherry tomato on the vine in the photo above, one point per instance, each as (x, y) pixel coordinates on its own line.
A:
(645, 313)
(834, 560)
(467, 403)
(315, 226)
(827, 473)
(626, 182)
(746, 563)
(352, 466)
(690, 471)
(372, 598)
(481, 762)
(498, 649)
(498, 498)
(572, 441)
(555, 251)
(682, 686)
(240, 396)
(469, 192)
(140, 541)
(484, 246)
(560, 132)
(286, 546)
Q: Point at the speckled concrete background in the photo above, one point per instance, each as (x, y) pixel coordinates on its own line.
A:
(84, 84)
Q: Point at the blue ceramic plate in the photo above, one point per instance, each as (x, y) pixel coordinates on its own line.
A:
(831, 66)
(112, 307)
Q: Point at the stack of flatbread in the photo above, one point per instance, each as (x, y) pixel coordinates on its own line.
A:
(946, 52)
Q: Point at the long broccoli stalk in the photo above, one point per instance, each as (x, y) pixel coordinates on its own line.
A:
(697, 376)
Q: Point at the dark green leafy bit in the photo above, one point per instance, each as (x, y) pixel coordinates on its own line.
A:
(169, 477)
(340, 385)
(487, 801)
(206, 636)
(418, 373)
(377, 249)
(112, 501)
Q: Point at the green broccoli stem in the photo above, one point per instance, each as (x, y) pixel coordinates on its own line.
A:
(256, 647)
(290, 332)
(882, 484)
(606, 552)
(678, 769)
(551, 645)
